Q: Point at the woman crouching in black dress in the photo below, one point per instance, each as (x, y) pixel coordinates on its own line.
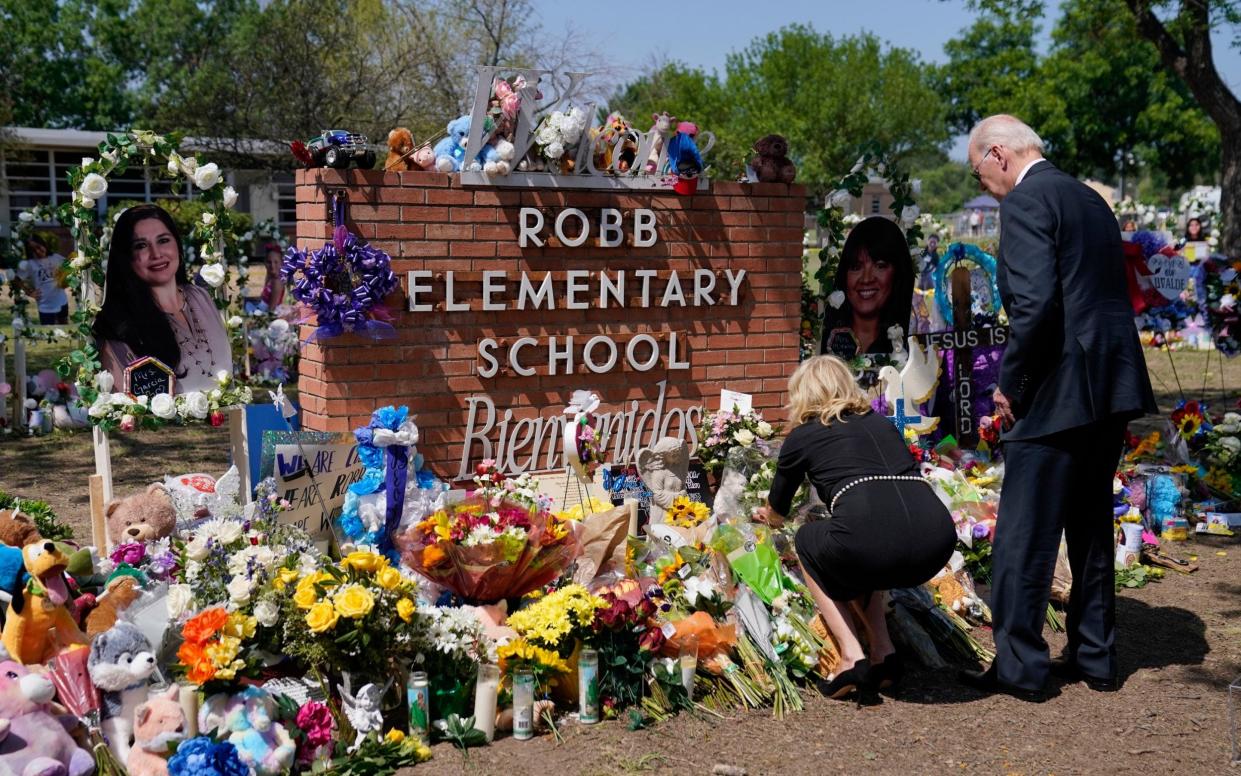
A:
(887, 528)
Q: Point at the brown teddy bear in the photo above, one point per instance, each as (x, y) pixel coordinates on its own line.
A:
(141, 517)
(772, 165)
(16, 529)
(400, 149)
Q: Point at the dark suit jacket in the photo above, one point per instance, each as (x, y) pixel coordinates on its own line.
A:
(1073, 357)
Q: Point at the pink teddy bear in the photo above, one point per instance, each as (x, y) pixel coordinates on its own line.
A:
(33, 742)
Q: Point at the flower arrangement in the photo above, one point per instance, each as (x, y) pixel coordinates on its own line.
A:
(685, 513)
(212, 645)
(1223, 288)
(344, 283)
(558, 134)
(1221, 454)
(118, 410)
(520, 654)
(559, 619)
(627, 638)
(204, 756)
(491, 545)
(358, 612)
(723, 430)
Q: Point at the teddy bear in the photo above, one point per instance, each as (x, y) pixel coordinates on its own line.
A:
(772, 164)
(32, 740)
(121, 661)
(450, 151)
(247, 721)
(141, 517)
(497, 157)
(400, 149)
(17, 529)
(39, 623)
(159, 725)
(659, 132)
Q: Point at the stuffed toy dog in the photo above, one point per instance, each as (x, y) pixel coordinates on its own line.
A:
(32, 740)
(121, 661)
(159, 725)
(39, 608)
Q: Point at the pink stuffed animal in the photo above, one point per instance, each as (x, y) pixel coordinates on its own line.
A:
(33, 742)
(159, 724)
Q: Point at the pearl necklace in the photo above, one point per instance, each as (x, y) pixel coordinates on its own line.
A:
(873, 478)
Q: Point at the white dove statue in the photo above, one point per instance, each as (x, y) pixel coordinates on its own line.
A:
(914, 384)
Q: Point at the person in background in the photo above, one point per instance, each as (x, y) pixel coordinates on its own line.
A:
(887, 528)
(151, 309)
(273, 285)
(929, 261)
(1071, 378)
(39, 274)
(1194, 231)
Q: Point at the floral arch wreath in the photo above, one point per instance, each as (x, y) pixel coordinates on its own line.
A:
(964, 254)
(212, 236)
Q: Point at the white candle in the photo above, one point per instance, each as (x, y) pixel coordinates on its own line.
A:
(485, 691)
(188, 697)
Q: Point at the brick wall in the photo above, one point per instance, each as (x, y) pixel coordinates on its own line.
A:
(428, 221)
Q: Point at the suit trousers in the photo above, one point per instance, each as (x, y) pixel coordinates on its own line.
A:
(1060, 482)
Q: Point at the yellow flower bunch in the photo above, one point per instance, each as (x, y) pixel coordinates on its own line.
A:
(285, 577)
(1219, 480)
(366, 562)
(557, 615)
(670, 571)
(1146, 447)
(520, 653)
(240, 626)
(578, 511)
(306, 593)
(223, 656)
(353, 601)
(686, 514)
(437, 523)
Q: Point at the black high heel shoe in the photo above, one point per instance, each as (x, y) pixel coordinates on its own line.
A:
(847, 682)
(888, 673)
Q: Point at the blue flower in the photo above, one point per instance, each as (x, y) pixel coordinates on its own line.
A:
(371, 457)
(351, 526)
(389, 417)
(203, 757)
(364, 435)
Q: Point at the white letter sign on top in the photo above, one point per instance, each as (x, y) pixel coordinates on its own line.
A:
(485, 346)
(491, 288)
(644, 235)
(581, 219)
(610, 233)
(531, 224)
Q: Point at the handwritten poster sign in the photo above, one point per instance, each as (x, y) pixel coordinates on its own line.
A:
(313, 470)
(696, 484)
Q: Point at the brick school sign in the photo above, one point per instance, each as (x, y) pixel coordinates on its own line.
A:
(511, 298)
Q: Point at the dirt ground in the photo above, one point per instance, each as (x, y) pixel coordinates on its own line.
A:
(1179, 641)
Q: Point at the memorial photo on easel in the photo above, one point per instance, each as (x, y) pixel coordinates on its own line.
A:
(151, 309)
(868, 312)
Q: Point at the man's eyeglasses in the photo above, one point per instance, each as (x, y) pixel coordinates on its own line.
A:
(974, 170)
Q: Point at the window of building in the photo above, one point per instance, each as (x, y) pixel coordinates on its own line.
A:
(286, 201)
(874, 205)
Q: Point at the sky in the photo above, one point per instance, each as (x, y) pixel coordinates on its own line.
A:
(632, 34)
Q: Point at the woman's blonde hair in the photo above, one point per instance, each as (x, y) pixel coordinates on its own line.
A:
(824, 388)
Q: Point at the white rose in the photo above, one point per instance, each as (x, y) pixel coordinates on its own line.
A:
(909, 214)
(223, 376)
(235, 322)
(215, 394)
(87, 161)
(87, 202)
(230, 196)
(174, 164)
(839, 198)
(836, 299)
(213, 274)
(26, 217)
(207, 176)
(104, 381)
(111, 156)
(764, 429)
(1231, 443)
(78, 261)
(197, 548)
(208, 219)
(163, 406)
(179, 598)
(744, 437)
(1232, 417)
(93, 186)
(229, 531)
(196, 404)
(101, 406)
(555, 150)
(239, 589)
(267, 613)
(278, 327)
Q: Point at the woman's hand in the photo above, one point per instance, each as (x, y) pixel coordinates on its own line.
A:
(767, 516)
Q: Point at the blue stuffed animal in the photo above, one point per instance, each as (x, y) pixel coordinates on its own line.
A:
(683, 157)
(450, 152)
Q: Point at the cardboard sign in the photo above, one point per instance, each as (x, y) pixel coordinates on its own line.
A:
(696, 484)
(148, 376)
(1170, 275)
(313, 470)
(735, 401)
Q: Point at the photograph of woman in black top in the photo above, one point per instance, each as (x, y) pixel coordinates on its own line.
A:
(876, 280)
(887, 529)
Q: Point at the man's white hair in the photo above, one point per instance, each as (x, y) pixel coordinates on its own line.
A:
(1008, 131)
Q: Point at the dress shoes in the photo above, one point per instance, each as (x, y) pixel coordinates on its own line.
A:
(1067, 670)
(988, 682)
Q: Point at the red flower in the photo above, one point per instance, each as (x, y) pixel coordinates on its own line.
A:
(652, 640)
(217, 418)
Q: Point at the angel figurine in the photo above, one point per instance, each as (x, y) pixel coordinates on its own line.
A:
(363, 710)
(664, 467)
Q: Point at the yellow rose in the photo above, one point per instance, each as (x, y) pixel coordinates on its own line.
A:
(354, 601)
(321, 617)
(305, 597)
(394, 736)
(405, 609)
(241, 626)
(388, 578)
(284, 577)
(365, 561)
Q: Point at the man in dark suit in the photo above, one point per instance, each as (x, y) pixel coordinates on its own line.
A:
(1072, 377)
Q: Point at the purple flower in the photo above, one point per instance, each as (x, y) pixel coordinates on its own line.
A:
(132, 553)
(980, 531)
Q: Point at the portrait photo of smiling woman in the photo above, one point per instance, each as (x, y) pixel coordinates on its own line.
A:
(151, 309)
(874, 291)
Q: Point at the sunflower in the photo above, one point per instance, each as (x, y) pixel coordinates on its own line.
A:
(686, 514)
(1188, 425)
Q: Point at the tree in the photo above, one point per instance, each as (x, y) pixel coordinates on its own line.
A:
(946, 185)
(1184, 44)
(826, 95)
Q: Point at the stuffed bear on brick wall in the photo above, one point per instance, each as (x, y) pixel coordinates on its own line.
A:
(772, 165)
(141, 517)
